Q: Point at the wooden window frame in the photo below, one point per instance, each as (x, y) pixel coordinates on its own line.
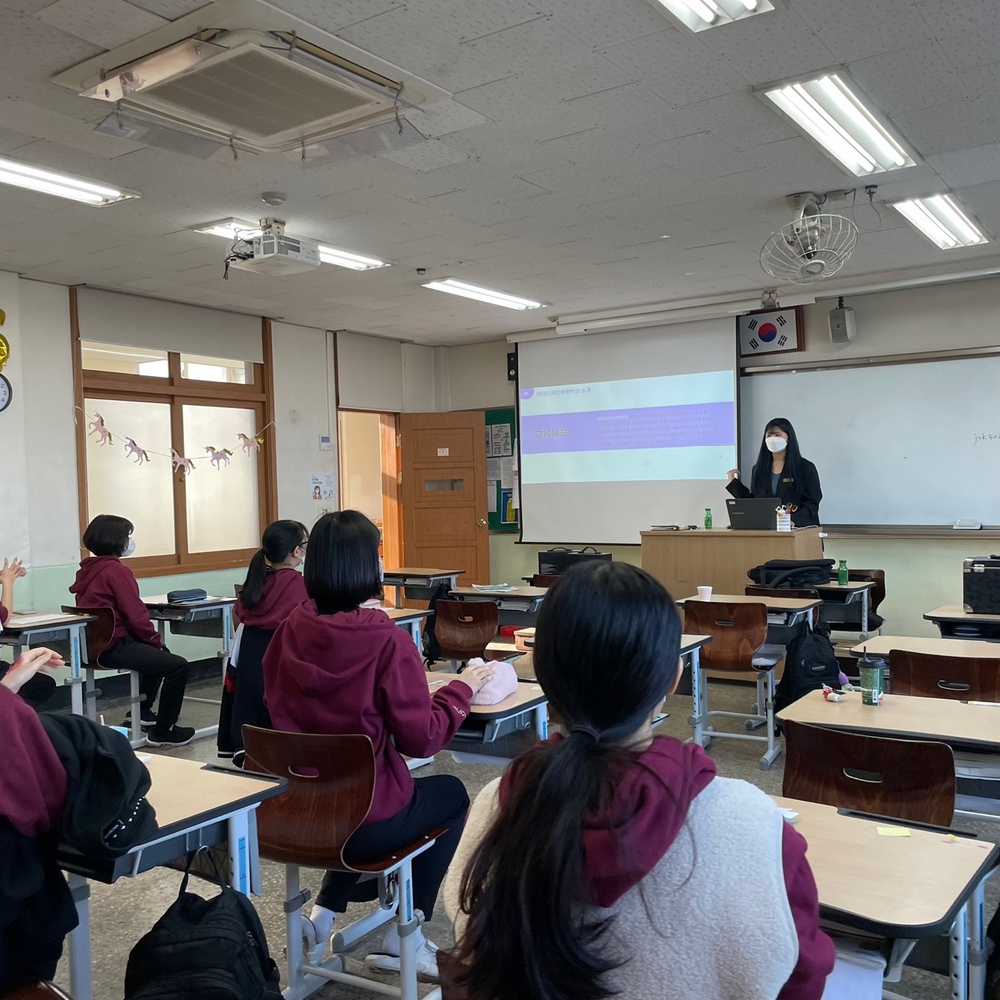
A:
(176, 391)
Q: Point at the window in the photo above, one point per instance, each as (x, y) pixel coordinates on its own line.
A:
(146, 411)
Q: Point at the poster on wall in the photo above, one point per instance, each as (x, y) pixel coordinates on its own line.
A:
(322, 487)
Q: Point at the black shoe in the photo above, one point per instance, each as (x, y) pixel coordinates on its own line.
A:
(175, 736)
(147, 719)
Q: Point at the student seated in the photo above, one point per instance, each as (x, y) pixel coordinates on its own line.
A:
(38, 689)
(612, 862)
(273, 587)
(336, 667)
(104, 581)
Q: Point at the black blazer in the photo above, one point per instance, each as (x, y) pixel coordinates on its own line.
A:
(803, 491)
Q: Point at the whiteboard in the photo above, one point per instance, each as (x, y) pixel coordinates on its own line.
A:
(893, 444)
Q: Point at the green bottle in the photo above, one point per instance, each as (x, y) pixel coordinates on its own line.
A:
(842, 572)
(708, 517)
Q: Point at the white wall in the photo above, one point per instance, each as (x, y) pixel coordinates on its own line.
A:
(419, 382)
(475, 377)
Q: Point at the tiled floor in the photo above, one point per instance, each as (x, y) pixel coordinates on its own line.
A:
(123, 912)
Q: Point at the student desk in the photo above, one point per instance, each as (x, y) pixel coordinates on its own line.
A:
(882, 645)
(517, 605)
(790, 610)
(410, 619)
(39, 628)
(196, 805)
(954, 622)
(900, 888)
(848, 593)
(419, 582)
(196, 618)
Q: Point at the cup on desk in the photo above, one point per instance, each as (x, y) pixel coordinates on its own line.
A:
(872, 673)
(704, 593)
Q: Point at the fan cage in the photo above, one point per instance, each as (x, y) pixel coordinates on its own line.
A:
(813, 247)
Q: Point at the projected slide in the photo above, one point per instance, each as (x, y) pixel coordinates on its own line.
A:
(673, 427)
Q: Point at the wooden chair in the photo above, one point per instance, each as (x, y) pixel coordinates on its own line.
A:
(97, 637)
(330, 791)
(906, 779)
(465, 628)
(961, 678)
(738, 634)
(35, 990)
(543, 580)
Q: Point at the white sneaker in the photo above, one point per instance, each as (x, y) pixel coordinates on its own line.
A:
(313, 946)
(427, 966)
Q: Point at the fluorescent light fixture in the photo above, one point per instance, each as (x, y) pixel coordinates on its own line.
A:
(699, 15)
(230, 229)
(24, 175)
(830, 111)
(456, 287)
(355, 261)
(941, 220)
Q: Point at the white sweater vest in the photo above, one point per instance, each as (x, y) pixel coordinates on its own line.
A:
(710, 922)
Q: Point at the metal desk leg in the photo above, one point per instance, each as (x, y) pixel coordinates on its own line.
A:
(865, 604)
(542, 721)
(976, 947)
(161, 627)
(75, 649)
(227, 633)
(697, 719)
(80, 975)
(241, 845)
(958, 955)
(417, 638)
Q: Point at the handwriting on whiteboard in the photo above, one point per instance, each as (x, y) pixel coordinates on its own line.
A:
(977, 438)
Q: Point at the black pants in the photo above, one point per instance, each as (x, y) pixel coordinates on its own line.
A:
(440, 800)
(154, 666)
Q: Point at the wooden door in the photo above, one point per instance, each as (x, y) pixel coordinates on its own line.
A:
(443, 465)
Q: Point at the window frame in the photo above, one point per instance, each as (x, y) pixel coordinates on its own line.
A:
(257, 395)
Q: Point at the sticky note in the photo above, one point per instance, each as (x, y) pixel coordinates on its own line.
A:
(892, 831)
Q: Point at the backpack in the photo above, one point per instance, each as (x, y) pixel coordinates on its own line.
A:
(432, 648)
(792, 573)
(810, 662)
(203, 949)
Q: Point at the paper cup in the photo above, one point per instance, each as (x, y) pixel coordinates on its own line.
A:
(704, 593)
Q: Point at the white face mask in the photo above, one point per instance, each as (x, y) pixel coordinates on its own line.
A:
(775, 444)
(129, 547)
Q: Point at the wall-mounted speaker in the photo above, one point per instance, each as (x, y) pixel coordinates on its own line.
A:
(512, 366)
(843, 327)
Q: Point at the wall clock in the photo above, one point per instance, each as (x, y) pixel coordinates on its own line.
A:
(6, 393)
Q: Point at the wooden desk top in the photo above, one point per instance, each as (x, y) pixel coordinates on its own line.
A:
(184, 790)
(851, 587)
(955, 612)
(773, 603)
(405, 614)
(527, 696)
(880, 645)
(521, 592)
(902, 716)
(723, 532)
(160, 601)
(908, 886)
(30, 620)
(422, 571)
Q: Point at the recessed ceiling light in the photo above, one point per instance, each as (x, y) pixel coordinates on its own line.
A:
(941, 220)
(699, 15)
(489, 295)
(343, 258)
(829, 110)
(24, 175)
(230, 229)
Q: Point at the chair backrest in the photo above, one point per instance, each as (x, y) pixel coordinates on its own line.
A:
(237, 589)
(98, 633)
(465, 628)
(543, 579)
(877, 594)
(331, 784)
(36, 990)
(906, 779)
(737, 631)
(928, 675)
(802, 593)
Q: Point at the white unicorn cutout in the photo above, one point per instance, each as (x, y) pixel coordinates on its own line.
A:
(184, 465)
(249, 444)
(219, 458)
(96, 426)
(131, 448)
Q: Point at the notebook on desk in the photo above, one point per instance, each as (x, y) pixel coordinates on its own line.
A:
(752, 513)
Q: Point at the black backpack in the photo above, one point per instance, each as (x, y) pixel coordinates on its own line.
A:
(432, 648)
(792, 573)
(810, 662)
(203, 949)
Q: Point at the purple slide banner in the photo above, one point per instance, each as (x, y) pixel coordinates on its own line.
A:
(686, 426)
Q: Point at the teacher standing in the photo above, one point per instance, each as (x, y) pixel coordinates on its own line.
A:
(781, 471)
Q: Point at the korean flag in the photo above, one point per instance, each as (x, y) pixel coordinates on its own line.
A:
(767, 332)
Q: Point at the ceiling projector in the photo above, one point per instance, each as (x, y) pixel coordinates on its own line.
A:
(275, 253)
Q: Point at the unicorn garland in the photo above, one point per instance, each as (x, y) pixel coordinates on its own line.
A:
(219, 457)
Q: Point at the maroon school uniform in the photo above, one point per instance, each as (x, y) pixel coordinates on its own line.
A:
(284, 590)
(102, 581)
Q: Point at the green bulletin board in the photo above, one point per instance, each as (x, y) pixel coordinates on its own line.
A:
(501, 469)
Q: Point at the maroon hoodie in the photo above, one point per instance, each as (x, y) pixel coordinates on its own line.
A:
(103, 582)
(651, 802)
(358, 672)
(32, 779)
(283, 590)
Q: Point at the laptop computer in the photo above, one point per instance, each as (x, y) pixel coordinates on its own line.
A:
(753, 513)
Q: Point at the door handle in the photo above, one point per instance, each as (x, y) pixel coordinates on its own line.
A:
(482, 522)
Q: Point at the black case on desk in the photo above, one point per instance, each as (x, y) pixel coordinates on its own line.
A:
(981, 585)
(552, 562)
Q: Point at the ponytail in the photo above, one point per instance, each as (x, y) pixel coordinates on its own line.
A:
(525, 889)
(280, 539)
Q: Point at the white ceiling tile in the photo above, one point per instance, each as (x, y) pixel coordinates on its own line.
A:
(106, 23)
(963, 168)
(856, 29)
(473, 19)
(429, 155)
(170, 9)
(949, 127)
(443, 118)
(909, 79)
(606, 24)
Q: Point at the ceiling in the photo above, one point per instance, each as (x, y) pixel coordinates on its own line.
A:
(580, 134)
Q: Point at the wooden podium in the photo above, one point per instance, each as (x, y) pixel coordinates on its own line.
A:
(685, 560)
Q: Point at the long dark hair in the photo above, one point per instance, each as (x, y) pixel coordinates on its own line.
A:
(280, 540)
(761, 485)
(606, 653)
(342, 567)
